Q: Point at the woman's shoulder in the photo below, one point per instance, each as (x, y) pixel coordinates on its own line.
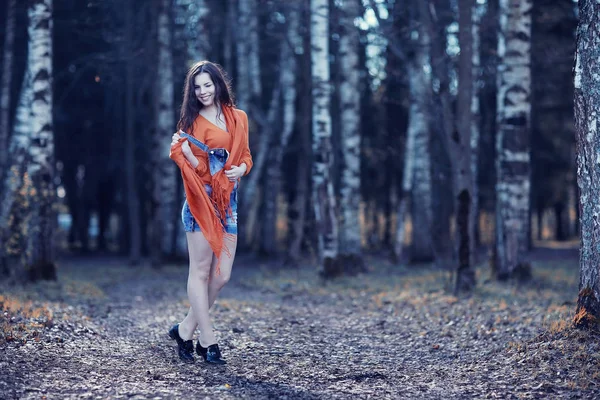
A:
(241, 113)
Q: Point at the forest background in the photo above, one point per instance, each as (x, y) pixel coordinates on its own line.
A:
(394, 137)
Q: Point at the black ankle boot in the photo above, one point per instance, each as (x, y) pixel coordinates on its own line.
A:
(185, 348)
(211, 354)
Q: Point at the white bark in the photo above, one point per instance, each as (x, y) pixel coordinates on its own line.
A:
(350, 233)
(323, 195)
(512, 140)
(478, 10)
(164, 170)
(19, 143)
(39, 221)
(416, 180)
(414, 124)
(587, 114)
(7, 67)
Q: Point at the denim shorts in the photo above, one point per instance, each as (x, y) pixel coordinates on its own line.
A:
(190, 224)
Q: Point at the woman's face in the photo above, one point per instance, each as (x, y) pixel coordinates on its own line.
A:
(204, 89)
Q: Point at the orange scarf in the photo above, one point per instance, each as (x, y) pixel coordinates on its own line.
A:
(207, 209)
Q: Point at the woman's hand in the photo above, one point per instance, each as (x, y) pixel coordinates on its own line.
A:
(175, 138)
(236, 172)
(185, 146)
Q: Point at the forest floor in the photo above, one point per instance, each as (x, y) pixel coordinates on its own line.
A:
(100, 331)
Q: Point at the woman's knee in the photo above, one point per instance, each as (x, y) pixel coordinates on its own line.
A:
(221, 279)
(200, 269)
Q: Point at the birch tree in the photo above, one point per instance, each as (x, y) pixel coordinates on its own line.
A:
(7, 67)
(30, 176)
(164, 171)
(287, 79)
(457, 127)
(587, 106)
(512, 139)
(322, 189)
(417, 135)
(462, 148)
(478, 10)
(350, 233)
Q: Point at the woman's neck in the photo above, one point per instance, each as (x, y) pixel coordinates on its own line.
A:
(210, 110)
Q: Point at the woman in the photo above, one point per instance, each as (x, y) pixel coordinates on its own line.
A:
(211, 149)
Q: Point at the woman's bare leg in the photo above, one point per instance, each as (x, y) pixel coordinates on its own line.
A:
(200, 254)
(216, 282)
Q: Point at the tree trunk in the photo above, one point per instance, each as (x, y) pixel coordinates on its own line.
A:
(512, 140)
(230, 37)
(350, 232)
(288, 88)
(133, 205)
(11, 211)
(164, 171)
(462, 147)
(298, 214)
(478, 10)
(587, 104)
(322, 189)
(421, 249)
(242, 46)
(39, 221)
(7, 74)
(413, 126)
(253, 67)
(417, 134)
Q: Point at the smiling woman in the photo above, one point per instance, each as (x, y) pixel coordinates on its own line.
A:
(211, 168)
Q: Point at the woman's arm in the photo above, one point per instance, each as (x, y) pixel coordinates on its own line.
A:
(246, 155)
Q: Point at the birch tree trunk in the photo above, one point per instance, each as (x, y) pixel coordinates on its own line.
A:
(587, 104)
(11, 211)
(32, 149)
(416, 159)
(7, 74)
(512, 140)
(478, 10)
(164, 171)
(421, 191)
(288, 89)
(462, 146)
(457, 127)
(413, 126)
(322, 186)
(350, 232)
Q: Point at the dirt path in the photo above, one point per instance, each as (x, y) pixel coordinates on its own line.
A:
(394, 333)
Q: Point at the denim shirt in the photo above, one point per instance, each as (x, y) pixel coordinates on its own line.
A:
(216, 157)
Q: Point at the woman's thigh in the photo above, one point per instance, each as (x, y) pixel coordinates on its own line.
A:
(200, 252)
(226, 260)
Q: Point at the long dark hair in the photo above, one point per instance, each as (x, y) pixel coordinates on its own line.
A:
(191, 105)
